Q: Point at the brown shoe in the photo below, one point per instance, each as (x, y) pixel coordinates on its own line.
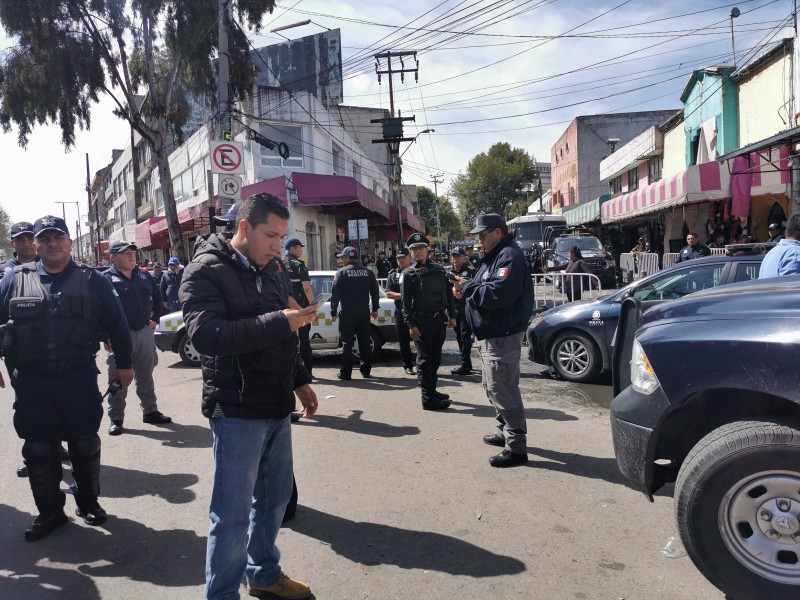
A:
(285, 589)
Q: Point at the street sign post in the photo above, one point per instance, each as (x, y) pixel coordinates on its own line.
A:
(357, 230)
(227, 157)
(230, 186)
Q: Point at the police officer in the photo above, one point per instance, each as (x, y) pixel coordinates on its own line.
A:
(475, 259)
(301, 291)
(141, 303)
(158, 272)
(693, 249)
(462, 268)
(393, 292)
(170, 284)
(775, 233)
(55, 313)
(382, 265)
(354, 286)
(21, 241)
(427, 308)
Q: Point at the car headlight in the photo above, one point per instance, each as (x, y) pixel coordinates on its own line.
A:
(537, 322)
(643, 378)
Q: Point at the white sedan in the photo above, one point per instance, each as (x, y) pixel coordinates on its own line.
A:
(171, 332)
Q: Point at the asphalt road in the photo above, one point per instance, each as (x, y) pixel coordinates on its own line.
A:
(395, 502)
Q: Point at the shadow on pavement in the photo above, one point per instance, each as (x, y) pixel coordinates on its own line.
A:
(544, 414)
(118, 482)
(121, 548)
(176, 435)
(355, 424)
(375, 544)
(592, 467)
(376, 384)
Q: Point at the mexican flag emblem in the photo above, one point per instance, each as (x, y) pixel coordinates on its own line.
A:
(502, 273)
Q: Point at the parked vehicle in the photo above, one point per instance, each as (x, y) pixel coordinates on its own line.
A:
(596, 258)
(171, 332)
(708, 395)
(576, 338)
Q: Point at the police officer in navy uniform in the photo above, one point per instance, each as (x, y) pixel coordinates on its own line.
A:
(55, 314)
(462, 268)
(428, 308)
(141, 303)
(393, 292)
(301, 291)
(354, 286)
(693, 249)
(21, 240)
(475, 259)
(382, 265)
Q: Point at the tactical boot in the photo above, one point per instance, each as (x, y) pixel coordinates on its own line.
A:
(344, 375)
(85, 456)
(494, 439)
(43, 526)
(508, 459)
(462, 370)
(44, 477)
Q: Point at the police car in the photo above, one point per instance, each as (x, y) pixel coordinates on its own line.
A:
(170, 335)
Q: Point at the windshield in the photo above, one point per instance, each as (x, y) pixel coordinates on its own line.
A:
(527, 233)
(584, 243)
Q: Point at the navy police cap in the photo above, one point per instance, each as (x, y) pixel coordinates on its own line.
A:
(486, 222)
(416, 240)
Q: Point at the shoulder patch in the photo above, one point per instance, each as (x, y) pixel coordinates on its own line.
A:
(502, 272)
(114, 291)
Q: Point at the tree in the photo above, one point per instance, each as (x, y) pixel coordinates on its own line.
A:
(69, 53)
(5, 227)
(495, 182)
(448, 220)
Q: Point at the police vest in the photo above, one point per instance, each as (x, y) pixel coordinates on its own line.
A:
(51, 333)
(432, 295)
(293, 269)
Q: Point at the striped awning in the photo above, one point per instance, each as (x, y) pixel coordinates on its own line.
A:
(699, 183)
(583, 213)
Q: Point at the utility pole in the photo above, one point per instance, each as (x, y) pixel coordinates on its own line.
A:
(393, 126)
(95, 242)
(435, 182)
(223, 84)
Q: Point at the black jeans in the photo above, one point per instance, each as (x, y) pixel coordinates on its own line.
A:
(404, 338)
(464, 338)
(305, 347)
(429, 353)
(355, 326)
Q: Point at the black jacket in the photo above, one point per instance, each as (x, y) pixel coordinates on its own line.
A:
(139, 296)
(234, 317)
(500, 295)
(354, 286)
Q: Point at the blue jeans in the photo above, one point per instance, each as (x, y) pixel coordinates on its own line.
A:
(252, 486)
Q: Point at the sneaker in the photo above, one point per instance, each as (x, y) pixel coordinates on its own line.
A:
(285, 589)
(494, 439)
(115, 428)
(508, 459)
(156, 418)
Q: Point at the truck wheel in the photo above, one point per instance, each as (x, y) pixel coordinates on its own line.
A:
(375, 342)
(188, 354)
(575, 357)
(737, 503)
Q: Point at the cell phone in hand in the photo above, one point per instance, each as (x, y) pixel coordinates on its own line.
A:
(452, 276)
(320, 299)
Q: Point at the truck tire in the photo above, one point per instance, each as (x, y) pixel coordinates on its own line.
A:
(737, 504)
(575, 357)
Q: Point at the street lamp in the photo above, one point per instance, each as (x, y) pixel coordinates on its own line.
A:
(735, 12)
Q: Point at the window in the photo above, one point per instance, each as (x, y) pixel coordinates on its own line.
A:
(158, 201)
(292, 136)
(747, 271)
(338, 161)
(677, 284)
(616, 184)
(177, 190)
(633, 179)
(571, 195)
(654, 167)
(356, 172)
(186, 183)
(198, 176)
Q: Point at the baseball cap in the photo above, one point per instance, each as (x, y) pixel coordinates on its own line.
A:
(402, 252)
(157, 264)
(489, 221)
(174, 261)
(293, 242)
(50, 222)
(228, 217)
(416, 239)
(457, 252)
(349, 252)
(20, 228)
(773, 226)
(118, 247)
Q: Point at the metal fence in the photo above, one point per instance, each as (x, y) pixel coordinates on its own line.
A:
(556, 289)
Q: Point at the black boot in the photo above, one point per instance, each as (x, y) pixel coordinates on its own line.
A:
(85, 457)
(44, 476)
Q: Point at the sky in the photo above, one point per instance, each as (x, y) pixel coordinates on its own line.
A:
(515, 71)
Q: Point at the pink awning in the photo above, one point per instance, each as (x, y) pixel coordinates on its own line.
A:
(143, 237)
(275, 186)
(186, 218)
(332, 190)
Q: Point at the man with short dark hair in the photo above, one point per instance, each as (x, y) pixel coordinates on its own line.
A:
(170, 284)
(235, 297)
(52, 338)
(354, 286)
(775, 233)
(301, 291)
(719, 241)
(499, 301)
(21, 240)
(382, 265)
(158, 272)
(141, 303)
(784, 259)
(693, 249)
(393, 292)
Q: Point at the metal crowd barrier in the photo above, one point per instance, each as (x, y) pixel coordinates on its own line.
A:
(634, 267)
(548, 288)
(669, 259)
(382, 282)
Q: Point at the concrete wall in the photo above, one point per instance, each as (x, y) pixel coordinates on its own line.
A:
(764, 101)
(674, 151)
(355, 120)
(564, 166)
(711, 94)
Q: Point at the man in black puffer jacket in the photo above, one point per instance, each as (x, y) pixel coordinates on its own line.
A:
(235, 299)
(499, 301)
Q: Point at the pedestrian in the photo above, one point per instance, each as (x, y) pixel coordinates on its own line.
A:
(50, 341)
(499, 301)
(21, 241)
(236, 308)
(784, 259)
(170, 284)
(301, 291)
(393, 258)
(775, 233)
(428, 308)
(719, 241)
(462, 268)
(573, 287)
(383, 266)
(158, 273)
(393, 292)
(475, 259)
(141, 303)
(354, 286)
(693, 249)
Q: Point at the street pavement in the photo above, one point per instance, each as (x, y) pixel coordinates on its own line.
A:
(395, 502)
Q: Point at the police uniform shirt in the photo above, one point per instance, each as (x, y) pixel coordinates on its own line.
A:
(691, 252)
(353, 286)
(467, 271)
(411, 290)
(383, 267)
(475, 260)
(393, 285)
(105, 305)
(298, 273)
(139, 295)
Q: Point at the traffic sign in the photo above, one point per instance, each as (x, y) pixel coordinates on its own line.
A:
(230, 186)
(227, 157)
(357, 229)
